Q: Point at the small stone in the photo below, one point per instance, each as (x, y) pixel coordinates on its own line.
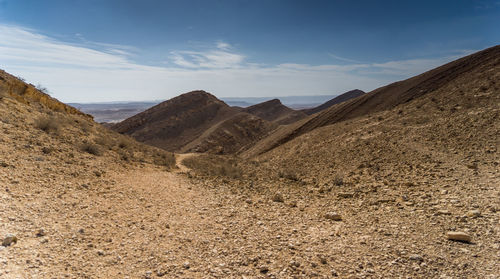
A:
(9, 239)
(334, 273)
(322, 259)
(249, 201)
(40, 233)
(333, 216)
(100, 252)
(443, 212)
(458, 236)
(278, 197)
(186, 265)
(474, 213)
(148, 274)
(345, 195)
(416, 258)
(264, 269)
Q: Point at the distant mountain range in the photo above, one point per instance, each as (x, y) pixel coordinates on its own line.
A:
(113, 112)
(198, 121)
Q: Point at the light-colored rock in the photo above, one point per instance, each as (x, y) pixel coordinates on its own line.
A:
(333, 216)
(458, 236)
(443, 212)
(474, 213)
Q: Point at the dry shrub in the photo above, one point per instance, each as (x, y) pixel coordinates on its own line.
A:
(338, 180)
(164, 159)
(105, 141)
(213, 165)
(48, 124)
(91, 148)
(47, 150)
(124, 143)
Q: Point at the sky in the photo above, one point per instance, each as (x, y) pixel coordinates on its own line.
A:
(119, 50)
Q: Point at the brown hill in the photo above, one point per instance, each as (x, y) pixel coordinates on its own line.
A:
(337, 100)
(176, 122)
(198, 122)
(381, 99)
(231, 135)
(275, 111)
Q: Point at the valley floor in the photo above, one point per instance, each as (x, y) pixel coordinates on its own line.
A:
(145, 222)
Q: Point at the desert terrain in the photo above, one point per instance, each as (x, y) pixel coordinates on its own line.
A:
(401, 182)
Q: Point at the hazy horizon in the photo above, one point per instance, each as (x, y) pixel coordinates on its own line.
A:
(151, 50)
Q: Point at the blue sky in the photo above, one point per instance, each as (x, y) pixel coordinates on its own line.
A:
(98, 50)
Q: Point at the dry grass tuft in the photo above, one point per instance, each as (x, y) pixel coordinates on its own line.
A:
(213, 165)
(91, 148)
(48, 124)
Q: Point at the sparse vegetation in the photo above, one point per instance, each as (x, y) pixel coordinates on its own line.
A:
(124, 143)
(91, 148)
(164, 159)
(213, 165)
(288, 175)
(48, 124)
(338, 180)
(105, 141)
(47, 150)
(42, 89)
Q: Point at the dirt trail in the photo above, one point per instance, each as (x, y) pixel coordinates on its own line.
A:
(179, 158)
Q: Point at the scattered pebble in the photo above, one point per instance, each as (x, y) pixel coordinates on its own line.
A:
(459, 236)
(345, 195)
(333, 216)
(9, 240)
(416, 258)
(278, 197)
(474, 213)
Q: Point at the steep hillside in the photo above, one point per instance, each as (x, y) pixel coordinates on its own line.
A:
(401, 179)
(275, 111)
(337, 100)
(29, 94)
(174, 123)
(383, 98)
(58, 129)
(231, 135)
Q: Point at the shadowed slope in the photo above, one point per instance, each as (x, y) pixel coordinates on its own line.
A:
(337, 100)
(276, 112)
(174, 123)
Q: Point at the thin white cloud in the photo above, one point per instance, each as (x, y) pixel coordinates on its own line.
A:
(344, 59)
(223, 45)
(218, 58)
(85, 73)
